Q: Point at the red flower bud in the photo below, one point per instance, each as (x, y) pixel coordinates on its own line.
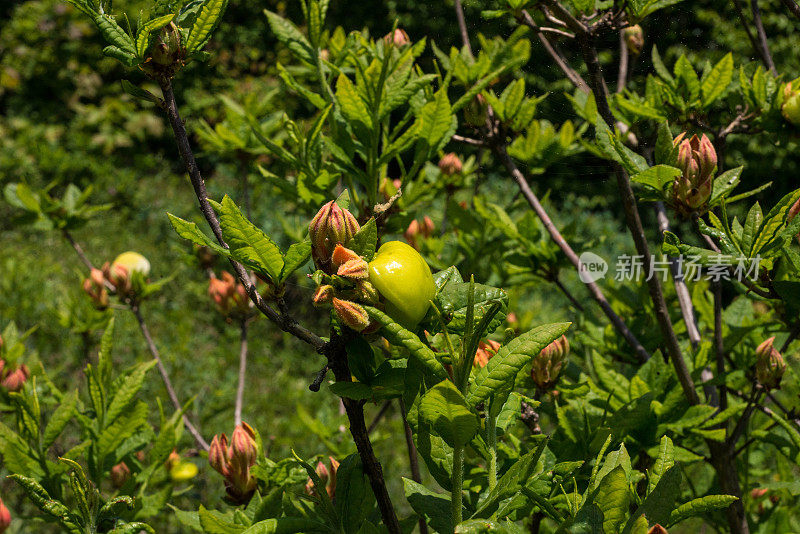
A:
(5, 517)
(357, 269)
(120, 474)
(547, 364)
(793, 211)
(450, 164)
(697, 159)
(342, 255)
(769, 364)
(234, 462)
(399, 37)
(351, 314)
(326, 476)
(332, 225)
(218, 454)
(244, 449)
(16, 378)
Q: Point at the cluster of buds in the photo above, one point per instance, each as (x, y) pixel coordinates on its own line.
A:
(450, 164)
(5, 517)
(418, 229)
(657, 529)
(398, 38)
(791, 104)
(326, 476)
(120, 474)
(13, 377)
(95, 287)
(234, 462)
(353, 270)
(168, 54)
(486, 349)
(228, 295)
(634, 39)
(331, 226)
(697, 160)
(769, 364)
(547, 364)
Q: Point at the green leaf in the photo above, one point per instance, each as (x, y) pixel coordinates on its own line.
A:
(205, 23)
(296, 256)
(143, 36)
(127, 389)
(214, 522)
(700, 507)
(399, 336)
(436, 120)
(660, 502)
(247, 242)
(138, 92)
(663, 463)
(504, 366)
(44, 502)
(353, 493)
(288, 34)
(724, 184)
(122, 428)
(190, 231)
(447, 411)
(613, 497)
(350, 102)
(658, 177)
(114, 34)
(717, 80)
(365, 240)
(433, 507)
(105, 363)
(58, 421)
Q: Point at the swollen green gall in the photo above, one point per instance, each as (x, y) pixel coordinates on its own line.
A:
(791, 104)
(404, 280)
(697, 159)
(769, 364)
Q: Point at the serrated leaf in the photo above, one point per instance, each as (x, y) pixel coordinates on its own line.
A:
(207, 19)
(446, 410)
(612, 498)
(657, 177)
(190, 231)
(143, 36)
(435, 120)
(129, 386)
(717, 80)
(122, 428)
(699, 507)
(296, 256)
(365, 240)
(504, 366)
(60, 418)
(247, 242)
(114, 34)
(350, 102)
(434, 507)
(288, 34)
(663, 462)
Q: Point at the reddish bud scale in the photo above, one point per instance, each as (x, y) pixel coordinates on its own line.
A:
(13, 378)
(323, 295)
(486, 349)
(357, 269)
(697, 160)
(547, 364)
(351, 314)
(331, 226)
(398, 38)
(327, 477)
(342, 255)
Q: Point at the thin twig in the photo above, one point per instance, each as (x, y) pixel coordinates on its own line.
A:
(526, 19)
(462, 26)
(763, 45)
(78, 249)
(793, 7)
(741, 425)
(165, 376)
(622, 74)
(792, 336)
(468, 140)
(567, 293)
(594, 289)
(412, 458)
(237, 411)
(284, 322)
(377, 419)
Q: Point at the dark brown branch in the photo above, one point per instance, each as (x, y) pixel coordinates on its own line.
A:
(792, 336)
(594, 289)
(622, 74)
(719, 345)
(165, 376)
(526, 19)
(284, 322)
(237, 410)
(337, 359)
(462, 26)
(78, 249)
(377, 419)
(793, 7)
(319, 378)
(763, 44)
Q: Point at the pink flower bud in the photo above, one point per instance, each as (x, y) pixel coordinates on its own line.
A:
(244, 449)
(450, 164)
(770, 365)
(793, 211)
(120, 474)
(697, 160)
(547, 364)
(411, 233)
(5, 517)
(218, 454)
(322, 472)
(351, 314)
(399, 38)
(15, 379)
(332, 225)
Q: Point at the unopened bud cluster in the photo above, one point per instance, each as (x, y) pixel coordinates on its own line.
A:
(233, 461)
(327, 476)
(123, 277)
(450, 164)
(397, 38)
(697, 160)
(634, 39)
(228, 295)
(168, 54)
(417, 230)
(548, 363)
(770, 365)
(342, 276)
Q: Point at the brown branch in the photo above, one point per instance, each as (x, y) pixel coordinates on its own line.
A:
(78, 249)
(462, 26)
(337, 359)
(719, 345)
(594, 289)
(792, 336)
(576, 79)
(283, 321)
(741, 425)
(377, 419)
(165, 376)
(237, 410)
(467, 140)
(763, 45)
(622, 74)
